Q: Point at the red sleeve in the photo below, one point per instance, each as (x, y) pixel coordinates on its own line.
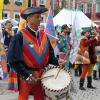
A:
(93, 41)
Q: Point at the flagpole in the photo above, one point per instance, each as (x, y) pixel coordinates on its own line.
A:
(52, 36)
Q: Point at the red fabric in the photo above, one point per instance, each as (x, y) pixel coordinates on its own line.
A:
(39, 50)
(25, 88)
(92, 55)
(84, 70)
(84, 42)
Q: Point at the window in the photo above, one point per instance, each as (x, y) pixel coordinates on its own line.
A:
(17, 16)
(6, 15)
(80, 7)
(98, 8)
(18, 0)
(89, 8)
(42, 2)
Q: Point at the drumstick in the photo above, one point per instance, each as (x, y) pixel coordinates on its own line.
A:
(46, 77)
(58, 71)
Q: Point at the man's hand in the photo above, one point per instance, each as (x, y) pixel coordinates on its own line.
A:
(31, 79)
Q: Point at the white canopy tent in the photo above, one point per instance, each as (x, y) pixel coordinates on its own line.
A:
(68, 17)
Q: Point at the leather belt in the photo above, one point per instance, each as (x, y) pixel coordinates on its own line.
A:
(36, 69)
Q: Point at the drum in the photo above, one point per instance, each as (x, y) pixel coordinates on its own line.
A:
(62, 57)
(56, 88)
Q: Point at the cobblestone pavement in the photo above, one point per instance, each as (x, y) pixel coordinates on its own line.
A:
(89, 94)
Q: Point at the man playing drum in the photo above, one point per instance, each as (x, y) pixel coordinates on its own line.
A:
(29, 52)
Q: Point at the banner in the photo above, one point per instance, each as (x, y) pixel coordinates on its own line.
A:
(75, 38)
(1, 7)
(50, 30)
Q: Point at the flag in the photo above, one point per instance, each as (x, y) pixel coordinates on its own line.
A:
(33, 2)
(75, 38)
(1, 7)
(50, 30)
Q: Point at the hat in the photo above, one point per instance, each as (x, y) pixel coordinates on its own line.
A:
(86, 29)
(64, 26)
(32, 10)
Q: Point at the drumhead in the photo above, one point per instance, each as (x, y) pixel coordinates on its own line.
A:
(61, 82)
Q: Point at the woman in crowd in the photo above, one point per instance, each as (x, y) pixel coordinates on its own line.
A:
(8, 33)
(64, 45)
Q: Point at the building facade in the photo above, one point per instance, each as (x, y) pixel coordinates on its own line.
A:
(11, 9)
(45, 3)
(91, 8)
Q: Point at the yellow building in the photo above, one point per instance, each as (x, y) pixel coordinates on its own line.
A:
(45, 3)
(12, 8)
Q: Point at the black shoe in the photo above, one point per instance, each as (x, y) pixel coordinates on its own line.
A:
(91, 87)
(89, 82)
(81, 84)
(82, 88)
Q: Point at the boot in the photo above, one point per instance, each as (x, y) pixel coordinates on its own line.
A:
(76, 72)
(95, 75)
(89, 82)
(81, 84)
(99, 73)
